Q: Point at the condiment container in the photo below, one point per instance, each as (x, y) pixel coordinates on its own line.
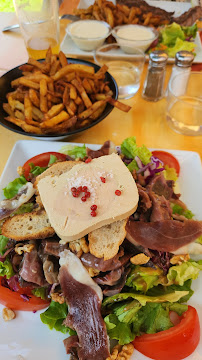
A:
(154, 84)
(183, 62)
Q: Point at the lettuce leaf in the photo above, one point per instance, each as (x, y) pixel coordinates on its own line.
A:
(170, 173)
(24, 208)
(54, 317)
(74, 151)
(180, 45)
(177, 209)
(130, 149)
(144, 299)
(118, 330)
(6, 269)
(160, 290)
(190, 30)
(170, 33)
(12, 188)
(40, 292)
(143, 278)
(3, 243)
(129, 319)
(199, 240)
(180, 273)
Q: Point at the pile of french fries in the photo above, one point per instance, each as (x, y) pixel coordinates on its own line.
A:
(54, 97)
(115, 15)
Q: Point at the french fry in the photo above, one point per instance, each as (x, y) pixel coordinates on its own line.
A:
(119, 105)
(50, 86)
(37, 114)
(63, 59)
(26, 67)
(69, 77)
(78, 100)
(98, 112)
(82, 92)
(28, 108)
(87, 113)
(72, 67)
(55, 110)
(18, 114)
(34, 97)
(54, 67)
(43, 97)
(42, 66)
(62, 116)
(26, 127)
(66, 96)
(8, 109)
(29, 83)
(62, 127)
(87, 86)
(48, 55)
(109, 16)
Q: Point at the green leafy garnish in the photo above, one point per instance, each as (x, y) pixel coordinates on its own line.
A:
(74, 151)
(3, 243)
(40, 292)
(170, 173)
(177, 209)
(54, 317)
(12, 188)
(187, 270)
(6, 269)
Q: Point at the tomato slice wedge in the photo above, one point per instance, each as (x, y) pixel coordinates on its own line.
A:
(41, 160)
(168, 159)
(176, 343)
(15, 301)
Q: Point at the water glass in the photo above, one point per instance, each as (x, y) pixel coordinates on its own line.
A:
(39, 24)
(125, 68)
(184, 104)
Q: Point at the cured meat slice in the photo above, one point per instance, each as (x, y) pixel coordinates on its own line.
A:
(166, 235)
(84, 299)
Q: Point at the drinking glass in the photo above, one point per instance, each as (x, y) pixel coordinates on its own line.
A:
(184, 104)
(125, 68)
(39, 24)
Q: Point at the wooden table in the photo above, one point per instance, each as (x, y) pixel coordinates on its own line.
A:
(146, 120)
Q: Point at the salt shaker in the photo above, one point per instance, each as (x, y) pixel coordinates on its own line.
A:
(154, 84)
(183, 62)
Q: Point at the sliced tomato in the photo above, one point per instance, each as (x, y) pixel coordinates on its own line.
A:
(41, 160)
(15, 301)
(176, 343)
(168, 159)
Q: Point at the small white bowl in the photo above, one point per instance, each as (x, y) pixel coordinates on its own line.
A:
(88, 35)
(128, 37)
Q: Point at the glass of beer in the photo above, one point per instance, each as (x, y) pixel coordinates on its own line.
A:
(39, 24)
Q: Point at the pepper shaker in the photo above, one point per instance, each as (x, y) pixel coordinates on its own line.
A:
(154, 84)
(183, 62)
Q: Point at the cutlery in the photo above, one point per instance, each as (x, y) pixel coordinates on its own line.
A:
(65, 16)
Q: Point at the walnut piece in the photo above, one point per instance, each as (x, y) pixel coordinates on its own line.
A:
(120, 352)
(139, 259)
(92, 272)
(58, 298)
(179, 259)
(8, 314)
(79, 246)
(20, 170)
(20, 248)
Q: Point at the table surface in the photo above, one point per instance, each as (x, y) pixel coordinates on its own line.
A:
(146, 120)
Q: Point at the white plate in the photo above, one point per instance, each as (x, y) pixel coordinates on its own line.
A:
(26, 338)
(69, 48)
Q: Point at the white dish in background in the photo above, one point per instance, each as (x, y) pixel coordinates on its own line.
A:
(26, 337)
(69, 48)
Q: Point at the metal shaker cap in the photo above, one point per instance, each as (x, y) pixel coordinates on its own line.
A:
(158, 58)
(184, 58)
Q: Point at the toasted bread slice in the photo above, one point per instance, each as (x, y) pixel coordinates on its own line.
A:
(105, 241)
(29, 226)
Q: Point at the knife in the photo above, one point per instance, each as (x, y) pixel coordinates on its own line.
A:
(66, 16)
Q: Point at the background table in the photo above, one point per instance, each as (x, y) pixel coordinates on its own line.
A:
(146, 120)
